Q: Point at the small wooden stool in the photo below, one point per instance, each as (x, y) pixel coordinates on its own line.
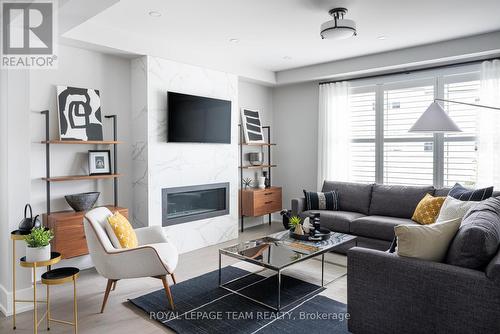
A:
(61, 276)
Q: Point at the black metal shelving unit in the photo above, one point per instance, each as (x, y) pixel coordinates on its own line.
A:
(268, 166)
(50, 179)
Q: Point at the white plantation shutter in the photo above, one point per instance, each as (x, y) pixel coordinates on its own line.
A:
(381, 148)
(460, 151)
(408, 157)
(362, 107)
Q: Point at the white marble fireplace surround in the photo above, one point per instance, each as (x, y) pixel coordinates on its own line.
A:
(158, 164)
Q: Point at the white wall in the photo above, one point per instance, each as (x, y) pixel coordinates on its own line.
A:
(257, 97)
(295, 130)
(29, 92)
(186, 164)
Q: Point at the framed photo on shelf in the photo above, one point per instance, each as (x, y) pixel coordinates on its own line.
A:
(252, 126)
(99, 162)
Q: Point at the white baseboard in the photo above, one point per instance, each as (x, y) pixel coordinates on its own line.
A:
(6, 300)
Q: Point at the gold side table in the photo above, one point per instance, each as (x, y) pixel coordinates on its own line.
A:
(61, 276)
(54, 258)
(14, 236)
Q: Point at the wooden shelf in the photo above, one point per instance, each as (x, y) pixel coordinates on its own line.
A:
(258, 144)
(80, 177)
(258, 167)
(82, 142)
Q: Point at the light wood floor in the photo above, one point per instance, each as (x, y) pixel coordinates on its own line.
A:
(120, 317)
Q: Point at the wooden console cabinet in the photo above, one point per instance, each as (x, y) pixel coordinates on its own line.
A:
(259, 202)
(69, 236)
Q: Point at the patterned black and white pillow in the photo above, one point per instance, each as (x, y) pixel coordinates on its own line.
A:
(322, 201)
(461, 193)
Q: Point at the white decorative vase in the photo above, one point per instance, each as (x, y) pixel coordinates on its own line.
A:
(298, 230)
(262, 182)
(38, 254)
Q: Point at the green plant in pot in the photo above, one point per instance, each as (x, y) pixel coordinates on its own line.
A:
(295, 223)
(38, 245)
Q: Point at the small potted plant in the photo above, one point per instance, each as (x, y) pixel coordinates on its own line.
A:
(295, 224)
(38, 245)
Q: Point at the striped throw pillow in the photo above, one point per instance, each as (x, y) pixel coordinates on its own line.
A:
(322, 201)
(461, 193)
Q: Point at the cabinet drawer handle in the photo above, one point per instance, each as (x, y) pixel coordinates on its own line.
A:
(268, 194)
(268, 202)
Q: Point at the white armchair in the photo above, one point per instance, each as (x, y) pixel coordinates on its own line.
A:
(154, 257)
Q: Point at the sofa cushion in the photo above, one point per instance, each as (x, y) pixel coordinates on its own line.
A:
(426, 242)
(441, 192)
(397, 201)
(428, 209)
(337, 221)
(454, 208)
(321, 200)
(352, 196)
(378, 227)
(478, 238)
(464, 194)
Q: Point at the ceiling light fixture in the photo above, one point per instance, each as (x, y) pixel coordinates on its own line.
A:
(338, 28)
(234, 40)
(382, 37)
(154, 13)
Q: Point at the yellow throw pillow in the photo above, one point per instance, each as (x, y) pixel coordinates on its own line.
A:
(123, 230)
(428, 209)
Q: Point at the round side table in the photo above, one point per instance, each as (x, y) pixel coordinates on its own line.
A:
(15, 236)
(61, 276)
(54, 258)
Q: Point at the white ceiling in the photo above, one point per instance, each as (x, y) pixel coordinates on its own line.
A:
(198, 31)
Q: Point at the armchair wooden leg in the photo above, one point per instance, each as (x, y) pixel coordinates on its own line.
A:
(106, 294)
(114, 286)
(167, 291)
(173, 278)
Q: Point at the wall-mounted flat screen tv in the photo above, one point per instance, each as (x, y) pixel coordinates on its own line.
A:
(197, 119)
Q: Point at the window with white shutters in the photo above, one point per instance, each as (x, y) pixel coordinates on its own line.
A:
(408, 157)
(382, 149)
(362, 108)
(460, 151)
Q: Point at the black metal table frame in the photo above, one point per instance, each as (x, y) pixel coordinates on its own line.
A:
(278, 273)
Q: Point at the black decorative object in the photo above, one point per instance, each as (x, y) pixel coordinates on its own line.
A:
(267, 182)
(99, 162)
(83, 201)
(79, 111)
(286, 214)
(28, 223)
(321, 234)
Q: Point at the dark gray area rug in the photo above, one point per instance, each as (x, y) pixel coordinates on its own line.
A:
(202, 307)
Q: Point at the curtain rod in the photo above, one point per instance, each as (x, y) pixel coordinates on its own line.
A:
(371, 76)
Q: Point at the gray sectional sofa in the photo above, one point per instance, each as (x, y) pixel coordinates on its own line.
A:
(389, 294)
(370, 211)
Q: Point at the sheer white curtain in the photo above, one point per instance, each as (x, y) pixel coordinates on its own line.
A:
(333, 133)
(488, 171)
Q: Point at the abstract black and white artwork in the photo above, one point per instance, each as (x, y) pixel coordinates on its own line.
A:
(79, 112)
(252, 126)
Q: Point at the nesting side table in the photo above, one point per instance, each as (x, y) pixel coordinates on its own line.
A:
(14, 236)
(54, 258)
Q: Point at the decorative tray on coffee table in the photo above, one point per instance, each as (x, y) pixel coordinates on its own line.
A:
(323, 235)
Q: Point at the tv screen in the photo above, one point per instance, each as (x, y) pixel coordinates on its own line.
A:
(197, 119)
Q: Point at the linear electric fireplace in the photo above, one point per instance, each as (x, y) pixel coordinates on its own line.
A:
(185, 204)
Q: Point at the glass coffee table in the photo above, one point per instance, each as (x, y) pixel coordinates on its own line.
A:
(277, 252)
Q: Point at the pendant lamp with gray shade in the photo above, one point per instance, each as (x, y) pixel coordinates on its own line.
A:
(436, 120)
